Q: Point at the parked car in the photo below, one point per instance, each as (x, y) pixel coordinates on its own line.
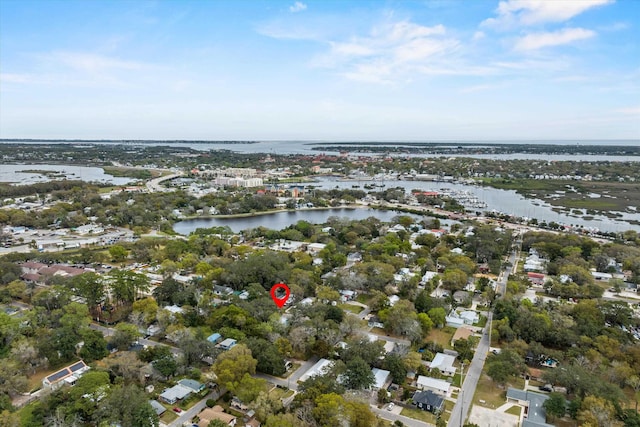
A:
(177, 410)
(390, 407)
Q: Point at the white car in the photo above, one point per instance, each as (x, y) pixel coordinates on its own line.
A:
(390, 407)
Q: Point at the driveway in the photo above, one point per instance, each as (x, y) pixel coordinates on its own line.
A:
(391, 416)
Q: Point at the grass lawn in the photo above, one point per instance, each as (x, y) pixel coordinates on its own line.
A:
(363, 298)
(456, 380)
(482, 322)
(418, 414)
(35, 380)
(491, 395)
(514, 410)
(168, 416)
(278, 393)
(350, 307)
(441, 336)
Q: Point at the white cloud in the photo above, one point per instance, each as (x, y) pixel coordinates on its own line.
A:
(634, 111)
(536, 41)
(90, 62)
(478, 35)
(389, 52)
(532, 12)
(297, 7)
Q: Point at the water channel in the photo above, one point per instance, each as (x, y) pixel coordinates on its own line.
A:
(506, 201)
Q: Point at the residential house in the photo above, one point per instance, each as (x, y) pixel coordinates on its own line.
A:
(444, 363)
(347, 295)
(227, 344)
(439, 387)
(533, 403)
(175, 393)
(67, 375)
(321, 367)
(157, 406)
(470, 317)
(375, 322)
(192, 385)
(428, 401)
(216, 413)
(381, 378)
(536, 278)
(214, 338)
(222, 291)
(454, 320)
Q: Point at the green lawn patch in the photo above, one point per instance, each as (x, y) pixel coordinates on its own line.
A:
(441, 336)
(488, 394)
(350, 307)
(418, 414)
(514, 410)
(279, 393)
(168, 416)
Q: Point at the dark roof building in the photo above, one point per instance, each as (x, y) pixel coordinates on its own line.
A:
(428, 401)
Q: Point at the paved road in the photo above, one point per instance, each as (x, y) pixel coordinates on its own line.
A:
(463, 404)
(153, 185)
(195, 409)
(460, 410)
(390, 416)
(292, 381)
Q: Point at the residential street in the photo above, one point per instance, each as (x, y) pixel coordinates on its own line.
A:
(292, 381)
(463, 404)
(195, 409)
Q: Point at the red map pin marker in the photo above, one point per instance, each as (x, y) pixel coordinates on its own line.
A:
(280, 294)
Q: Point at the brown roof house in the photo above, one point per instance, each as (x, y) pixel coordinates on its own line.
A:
(216, 413)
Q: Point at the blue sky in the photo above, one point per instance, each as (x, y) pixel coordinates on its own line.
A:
(320, 70)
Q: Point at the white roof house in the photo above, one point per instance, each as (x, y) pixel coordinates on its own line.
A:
(440, 387)
(381, 377)
(321, 367)
(454, 320)
(444, 362)
(470, 317)
(428, 275)
(175, 393)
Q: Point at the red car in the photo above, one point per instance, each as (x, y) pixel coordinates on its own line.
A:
(177, 410)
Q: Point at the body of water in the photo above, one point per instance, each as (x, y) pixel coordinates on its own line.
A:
(306, 147)
(18, 174)
(506, 201)
(280, 220)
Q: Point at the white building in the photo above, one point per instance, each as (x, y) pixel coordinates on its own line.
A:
(381, 378)
(440, 387)
(444, 363)
(321, 367)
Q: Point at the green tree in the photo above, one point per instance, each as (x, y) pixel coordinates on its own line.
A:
(95, 346)
(118, 253)
(437, 316)
(128, 406)
(555, 405)
(394, 364)
(329, 410)
(231, 366)
(125, 335)
(358, 375)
